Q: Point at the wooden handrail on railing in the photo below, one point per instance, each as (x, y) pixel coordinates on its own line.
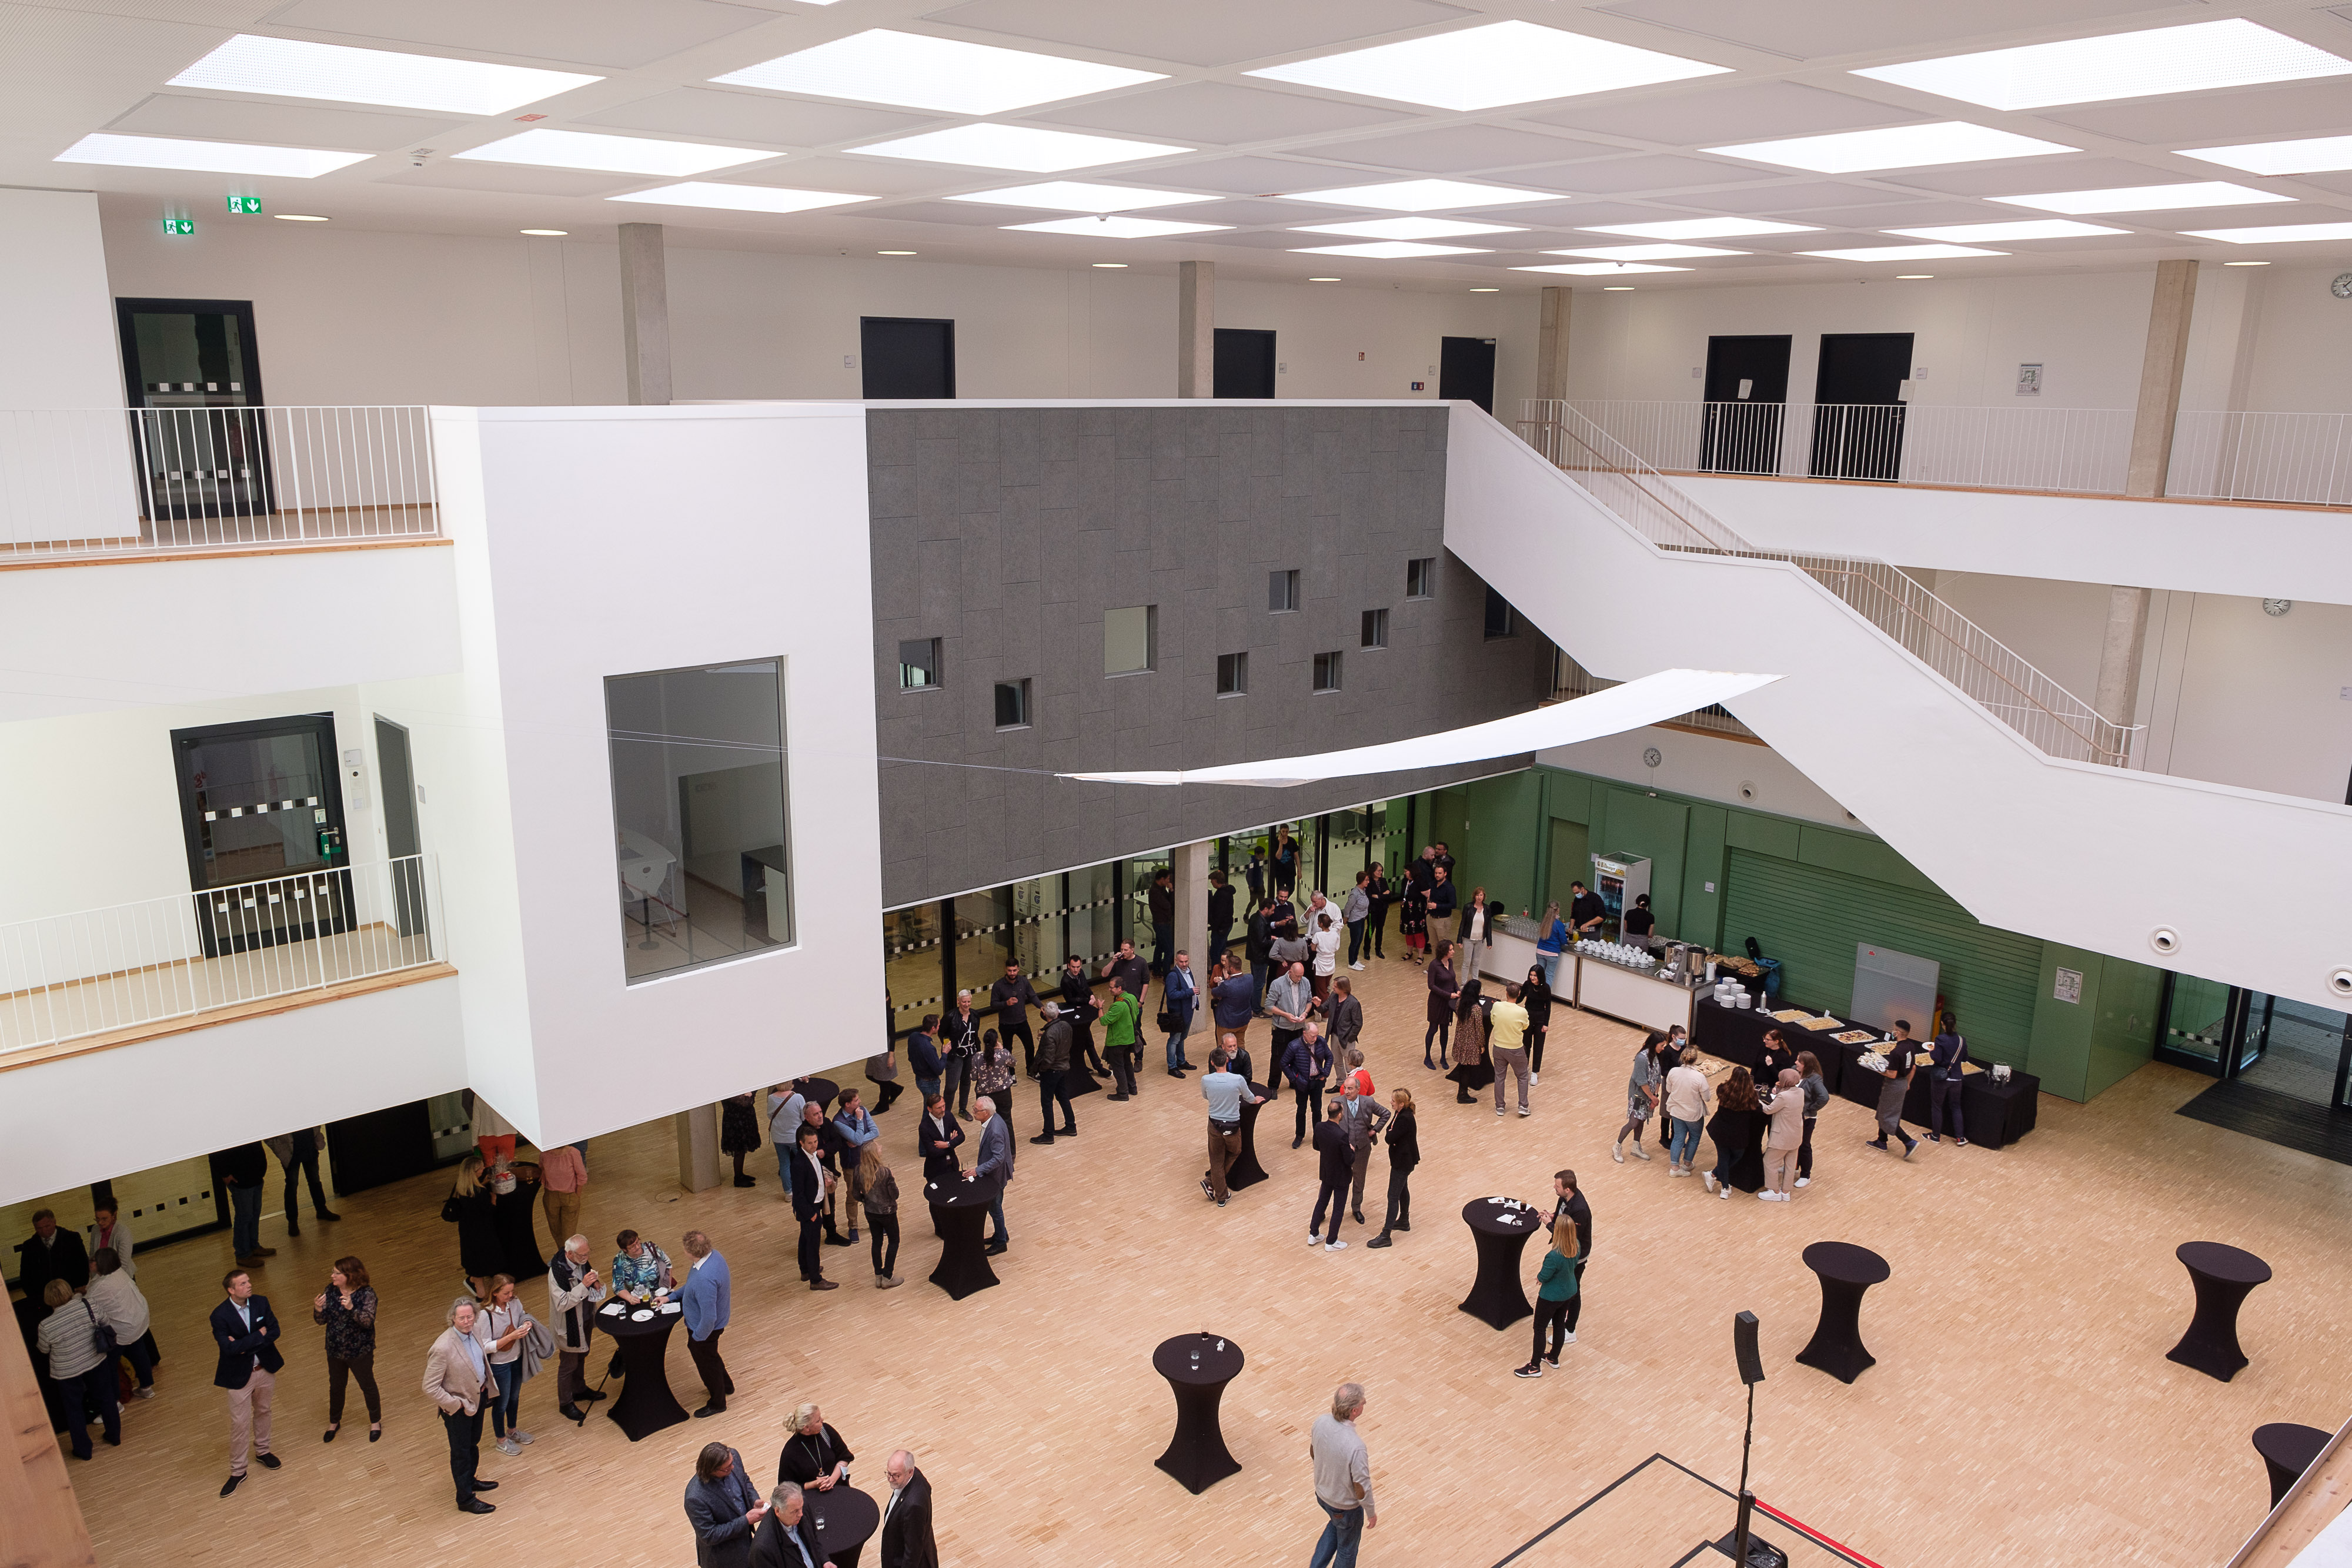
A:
(2310, 1506)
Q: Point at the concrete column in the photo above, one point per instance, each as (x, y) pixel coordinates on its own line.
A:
(43, 1527)
(1190, 865)
(2120, 655)
(1551, 344)
(1196, 328)
(697, 1146)
(2159, 377)
(645, 314)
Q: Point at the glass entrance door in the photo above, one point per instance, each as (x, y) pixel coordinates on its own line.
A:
(196, 429)
(262, 807)
(2296, 1049)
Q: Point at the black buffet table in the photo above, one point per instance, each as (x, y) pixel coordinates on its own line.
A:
(1197, 1367)
(1994, 1113)
(1495, 1297)
(1245, 1170)
(1736, 1035)
(646, 1405)
(960, 1214)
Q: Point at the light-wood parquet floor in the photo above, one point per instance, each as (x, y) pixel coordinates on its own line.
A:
(2021, 1409)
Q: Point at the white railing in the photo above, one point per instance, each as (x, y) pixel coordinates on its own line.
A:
(2006, 686)
(2029, 447)
(2241, 456)
(104, 481)
(66, 977)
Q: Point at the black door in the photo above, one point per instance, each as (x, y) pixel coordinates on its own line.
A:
(262, 805)
(906, 357)
(1465, 369)
(380, 1147)
(1747, 396)
(1244, 363)
(1857, 422)
(400, 839)
(192, 369)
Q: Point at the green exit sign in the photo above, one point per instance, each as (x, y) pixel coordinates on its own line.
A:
(179, 225)
(244, 204)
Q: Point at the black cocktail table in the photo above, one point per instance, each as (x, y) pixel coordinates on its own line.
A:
(1845, 1271)
(822, 1091)
(959, 1213)
(2224, 1276)
(846, 1518)
(1245, 1170)
(2288, 1448)
(1495, 1297)
(646, 1405)
(1197, 1455)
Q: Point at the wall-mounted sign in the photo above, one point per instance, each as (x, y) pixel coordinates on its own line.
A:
(244, 204)
(2069, 988)
(2029, 381)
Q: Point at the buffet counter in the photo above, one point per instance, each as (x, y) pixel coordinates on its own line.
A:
(1510, 952)
(1621, 991)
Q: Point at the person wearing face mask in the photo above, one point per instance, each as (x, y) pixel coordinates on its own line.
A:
(1639, 921)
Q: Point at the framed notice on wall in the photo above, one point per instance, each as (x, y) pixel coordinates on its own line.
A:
(2069, 988)
(2029, 381)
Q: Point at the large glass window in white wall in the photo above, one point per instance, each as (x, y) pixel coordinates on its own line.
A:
(700, 814)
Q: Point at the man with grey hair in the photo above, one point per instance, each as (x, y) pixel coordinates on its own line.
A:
(995, 1163)
(1363, 1116)
(573, 1290)
(959, 1042)
(1053, 1049)
(787, 1537)
(906, 1539)
(1343, 1479)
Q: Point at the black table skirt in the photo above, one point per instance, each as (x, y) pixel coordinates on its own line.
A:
(960, 1214)
(1197, 1455)
(1245, 1170)
(851, 1517)
(646, 1405)
(1497, 1298)
(1845, 1271)
(1736, 1035)
(2288, 1448)
(2222, 1276)
(1994, 1113)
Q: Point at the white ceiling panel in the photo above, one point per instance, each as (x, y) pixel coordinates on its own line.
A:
(1780, 200)
(617, 34)
(2038, 175)
(1821, 27)
(2340, 184)
(2304, 109)
(1748, 113)
(747, 117)
(866, 176)
(281, 124)
(1247, 214)
(1254, 176)
(1624, 176)
(1198, 31)
(1461, 149)
(1581, 214)
(963, 215)
(514, 178)
(69, 72)
(1218, 112)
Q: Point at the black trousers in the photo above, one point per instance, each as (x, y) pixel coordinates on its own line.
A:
(1436, 1034)
(1399, 1197)
(884, 1094)
(1052, 1087)
(882, 1228)
(1015, 1025)
(465, 1431)
(85, 1391)
(1309, 1096)
(1220, 939)
(812, 1248)
(1122, 1067)
(1805, 1151)
(337, 1372)
(1534, 1052)
(712, 1369)
(1081, 1046)
(1334, 1192)
(1375, 926)
(1560, 1318)
(307, 1162)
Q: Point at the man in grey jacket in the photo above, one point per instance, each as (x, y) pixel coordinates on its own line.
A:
(1363, 1117)
(1353, 915)
(573, 1290)
(995, 1163)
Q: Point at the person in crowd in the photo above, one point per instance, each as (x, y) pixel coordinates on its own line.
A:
(1639, 921)
(1817, 1095)
(878, 1195)
(1238, 1059)
(1775, 1054)
(1257, 951)
(346, 1310)
(882, 1071)
(1335, 1164)
(1353, 1071)
(1550, 945)
(1287, 948)
(114, 1296)
(1286, 862)
(1737, 1129)
(1160, 902)
(1013, 996)
(922, 1059)
(1443, 897)
(494, 1136)
(724, 1508)
(1363, 1117)
(814, 1457)
(739, 1133)
(1132, 971)
(1378, 896)
(563, 1182)
(1221, 915)
(1412, 914)
(1445, 996)
(1226, 1092)
(1508, 1042)
(1343, 1479)
(1306, 1064)
(959, 1041)
(1291, 1002)
(1585, 911)
(1555, 1298)
(829, 1146)
(107, 1231)
(1685, 1104)
(1442, 857)
(514, 1201)
(1232, 1000)
(640, 1269)
(994, 1163)
(298, 1157)
(1902, 1055)
(906, 1539)
(1571, 1204)
(1472, 1070)
(787, 1537)
(1343, 1016)
(242, 1171)
(854, 1128)
(246, 1332)
(1324, 944)
(941, 1136)
(785, 1102)
(1948, 1062)
(708, 1294)
(1535, 996)
(458, 1380)
(1253, 875)
(508, 1323)
(1354, 912)
(469, 1206)
(79, 1367)
(1079, 1006)
(1122, 1018)
(51, 1253)
(1179, 994)
(1053, 1049)
(1471, 931)
(573, 1292)
(1642, 1091)
(1404, 1152)
(813, 1187)
(1784, 1109)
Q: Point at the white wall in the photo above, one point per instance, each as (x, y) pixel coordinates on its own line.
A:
(1711, 766)
(2240, 697)
(60, 349)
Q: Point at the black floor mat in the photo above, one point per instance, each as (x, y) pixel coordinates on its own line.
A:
(2275, 1118)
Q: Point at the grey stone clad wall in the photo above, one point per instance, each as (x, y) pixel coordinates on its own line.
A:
(1006, 533)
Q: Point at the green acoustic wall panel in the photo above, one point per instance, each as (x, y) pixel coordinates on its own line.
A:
(1649, 825)
(1703, 877)
(1571, 853)
(2059, 1054)
(2122, 1035)
(1569, 795)
(1505, 815)
(1872, 858)
(1812, 919)
(1765, 835)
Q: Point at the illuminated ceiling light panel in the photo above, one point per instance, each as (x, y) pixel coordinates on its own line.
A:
(1389, 250)
(1646, 252)
(2145, 198)
(1599, 268)
(1902, 252)
(740, 198)
(915, 71)
(1022, 147)
(1109, 227)
(2193, 58)
(207, 157)
(1421, 196)
(2310, 155)
(2029, 228)
(1892, 147)
(1079, 196)
(1408, 228)
(1486, 68)
(612, 154)
(290, 67)
(2280, 234)
(1705, 228)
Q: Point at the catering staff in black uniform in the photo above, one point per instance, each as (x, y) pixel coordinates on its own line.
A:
(1639, 921)
(1585, 909)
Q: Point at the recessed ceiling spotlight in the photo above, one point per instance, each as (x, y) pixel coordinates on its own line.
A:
(1902, 252)
(1599, 268)
(1389, 249)
(2145, 198)
(300, 218)
(1322, 280)
(1488, 288)
(739, 198)
(1616, 289)
(2191, 59)
(290, 67)
(612, 154)
(1112, 265)
(207, 157)
(1109, 227)
(1892, 147)
(2029, 228)
(1409, 228)
(1705, 228)
(550, 234)
(1421, 196)
(2305, 155)
(1913, 276)
(2277, 234)
(2245, 263)
(949, 76)
(1645, 252)
(1022, 147)
(1081, 196)
(894, 253)
(1488, 66)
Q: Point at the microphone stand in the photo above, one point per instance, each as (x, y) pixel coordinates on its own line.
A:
(1747, 1498)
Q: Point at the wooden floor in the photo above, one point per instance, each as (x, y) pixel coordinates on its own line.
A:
(2022, 1410)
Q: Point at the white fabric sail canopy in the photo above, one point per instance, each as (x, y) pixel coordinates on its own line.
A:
(1666, 695)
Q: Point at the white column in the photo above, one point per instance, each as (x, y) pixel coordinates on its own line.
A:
(697, 1148)
(645, 313)
(1551, 344)
(1196, 328)
(1189, 866)
(2159, 377)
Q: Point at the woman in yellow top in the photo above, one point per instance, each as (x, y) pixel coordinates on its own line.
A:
(1557, 1303)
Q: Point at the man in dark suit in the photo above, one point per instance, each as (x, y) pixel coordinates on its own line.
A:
(242, 1171)
(941, 1136)
(1337, 1162)
(810, 1184)
(787, 1536)
(723, 1506)
(50, 1254)
(247, 1331)
(906, 1539)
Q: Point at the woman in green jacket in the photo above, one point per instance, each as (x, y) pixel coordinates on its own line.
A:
(1556, 1298)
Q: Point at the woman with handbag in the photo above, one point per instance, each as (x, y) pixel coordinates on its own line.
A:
(509, 1322)
(346, 1309)
(469, 1207)
(1442, 996)
(1474, 1069)
(80, 1354)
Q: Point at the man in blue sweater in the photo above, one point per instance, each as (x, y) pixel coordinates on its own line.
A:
(707, 1297)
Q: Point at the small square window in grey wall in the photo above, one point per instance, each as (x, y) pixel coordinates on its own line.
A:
(1013, 704)
(700, 814)
(1232, 675)
(918, 665)
(1327, 671)
(1502, 621)
(1129, 639)
(1375, 628)
(1421, 578)
(1281, 591)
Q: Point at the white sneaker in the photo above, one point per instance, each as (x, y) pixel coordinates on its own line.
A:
(1766, 1195)
(1534, 1078)
(1639, 1153)
(508, 1446)
(1725, 1193)
(1525, 1111)
(1804, 1181)
(1617, 1152)
(518, 1434)
(1569, 1338)
(1335, 1246)
(1357, 964)
(1315, 1238)
(1710, 1181)
(1498, 1110)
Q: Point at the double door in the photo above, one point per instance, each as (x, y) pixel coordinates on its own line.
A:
(2276, 1043)
(261, 804)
